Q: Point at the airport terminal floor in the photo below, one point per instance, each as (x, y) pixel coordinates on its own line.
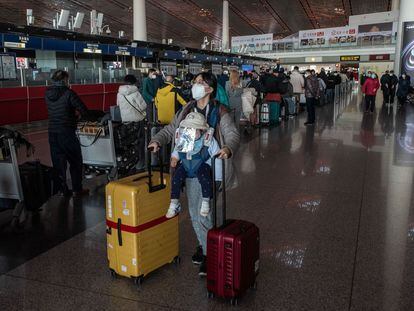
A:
(334, 204)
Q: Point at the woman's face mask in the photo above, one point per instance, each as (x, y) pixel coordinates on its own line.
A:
(373, 76)
(198, 91)
(404, 76)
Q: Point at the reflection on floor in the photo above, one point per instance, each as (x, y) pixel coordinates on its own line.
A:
(333, 203)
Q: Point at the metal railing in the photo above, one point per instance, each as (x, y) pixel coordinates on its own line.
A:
(343, 95)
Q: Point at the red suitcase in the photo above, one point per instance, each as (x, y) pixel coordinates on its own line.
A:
(232, 254)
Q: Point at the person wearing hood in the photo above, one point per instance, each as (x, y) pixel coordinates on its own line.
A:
(370, 89)
(62, 105)
(312, 94)
(131, 103)
(404, 84)
(168, 101)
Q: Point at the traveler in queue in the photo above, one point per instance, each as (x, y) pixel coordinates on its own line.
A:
(298, 82)
(218, 117)
(133, 108)
(62, 105)
(312, 94)
(393, 86)
(234, 90)
(149, 90)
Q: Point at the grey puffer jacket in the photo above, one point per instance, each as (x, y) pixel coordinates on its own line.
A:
(225, 133)
(312, 87)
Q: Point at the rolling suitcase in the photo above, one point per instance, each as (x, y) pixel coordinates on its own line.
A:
(232, 254)
(140, 238)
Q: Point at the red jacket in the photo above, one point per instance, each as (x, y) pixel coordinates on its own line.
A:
(371, 86)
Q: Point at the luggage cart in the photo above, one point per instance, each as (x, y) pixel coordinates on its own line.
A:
(99, 153)
(11, 186)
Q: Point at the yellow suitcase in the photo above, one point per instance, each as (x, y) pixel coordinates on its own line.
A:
(140, 238)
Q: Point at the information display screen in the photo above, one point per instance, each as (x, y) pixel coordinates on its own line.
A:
(8, 69)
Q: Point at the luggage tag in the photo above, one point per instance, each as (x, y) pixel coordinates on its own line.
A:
(208, 137)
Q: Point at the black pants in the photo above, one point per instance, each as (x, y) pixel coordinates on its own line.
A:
(310, 106)
(370, 102)
(65, 148)
(386, 93)
(392, 95)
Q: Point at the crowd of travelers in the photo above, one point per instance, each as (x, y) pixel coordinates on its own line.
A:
(208, 110)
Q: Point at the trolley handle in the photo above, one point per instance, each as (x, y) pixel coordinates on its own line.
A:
(215, 192)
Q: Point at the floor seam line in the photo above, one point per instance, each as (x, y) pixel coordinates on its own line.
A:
(357, 236)
(86, 290)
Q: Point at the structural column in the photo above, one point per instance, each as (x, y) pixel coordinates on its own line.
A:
(140, 20)
(406, 15)
(226, 29)
(395, 5)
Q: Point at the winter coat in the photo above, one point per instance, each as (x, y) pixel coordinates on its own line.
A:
(393, 81)
(222, 97)
(168, 101)
(131, 104)
(62, 104)
(403, 87)
(330, 84)
(371, 87)
(225, 133)
(298, 81)
(312, 89)
(385, 82)
(149, 89)
(234, 95)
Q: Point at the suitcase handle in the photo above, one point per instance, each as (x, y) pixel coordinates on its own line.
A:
(119, 232)
(161, 186)
(223, 190)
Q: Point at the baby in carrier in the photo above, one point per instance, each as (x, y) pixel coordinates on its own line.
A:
(194, 148)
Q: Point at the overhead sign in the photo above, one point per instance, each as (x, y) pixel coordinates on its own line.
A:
(8, 69)
(407, 58)
(339, 36)
(123, 50)
(350, 58)
(92, 48)
(380, 57)
(244, 44)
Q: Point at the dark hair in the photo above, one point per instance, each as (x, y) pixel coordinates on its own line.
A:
(151, 70)
(60, 75)
(130, 79)
(296, 68)
(275, 70)
(210, 80)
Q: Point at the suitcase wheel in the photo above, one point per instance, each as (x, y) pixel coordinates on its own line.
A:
(177, 260)
(210, 295)
(138, 281)
(112, 273)
(234, 301)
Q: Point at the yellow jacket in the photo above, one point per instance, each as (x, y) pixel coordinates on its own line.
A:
(168, 101)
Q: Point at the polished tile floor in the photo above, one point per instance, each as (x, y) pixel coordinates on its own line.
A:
(334, 205)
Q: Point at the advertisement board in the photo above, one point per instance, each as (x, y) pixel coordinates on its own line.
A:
(256, 43)
(407, 50)
(384, 32)
(338, 36)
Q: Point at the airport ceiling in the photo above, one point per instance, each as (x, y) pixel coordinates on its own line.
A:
(188, 21)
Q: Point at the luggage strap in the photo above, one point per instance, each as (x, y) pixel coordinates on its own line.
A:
(140, 228)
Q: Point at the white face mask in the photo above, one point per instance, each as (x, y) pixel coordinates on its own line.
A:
(198, 91)
(373, 76)
(404, 76)
(152, 76)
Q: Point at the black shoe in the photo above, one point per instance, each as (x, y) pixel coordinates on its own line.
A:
(309, 123)
(203, 268)
(198, 256)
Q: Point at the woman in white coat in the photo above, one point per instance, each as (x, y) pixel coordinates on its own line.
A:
(130, 101)
(133, 107)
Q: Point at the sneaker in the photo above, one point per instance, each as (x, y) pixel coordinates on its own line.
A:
(198, 256)
(83, 192)
(203, 268)
(309, 123)
(205, 208)
(173, 210)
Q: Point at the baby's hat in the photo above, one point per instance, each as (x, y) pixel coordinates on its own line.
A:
(195, 120)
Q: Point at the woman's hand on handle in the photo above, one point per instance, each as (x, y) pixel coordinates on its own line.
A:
(154, 147)
(224, 153)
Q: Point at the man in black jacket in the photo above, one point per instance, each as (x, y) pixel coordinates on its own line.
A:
(62, 105)
(386, 86)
